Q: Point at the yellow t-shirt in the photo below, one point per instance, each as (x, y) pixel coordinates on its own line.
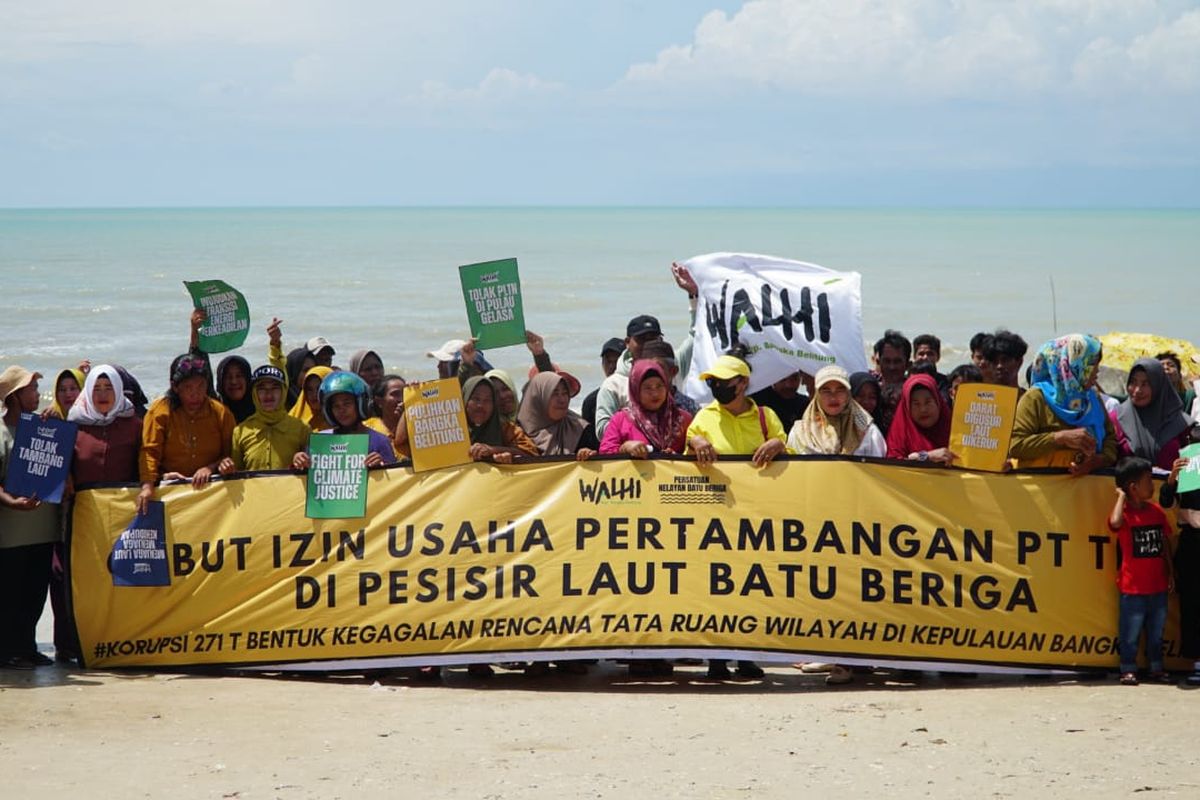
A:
(735, 434)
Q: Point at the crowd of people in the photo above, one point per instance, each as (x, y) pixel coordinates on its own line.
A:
(240, 417)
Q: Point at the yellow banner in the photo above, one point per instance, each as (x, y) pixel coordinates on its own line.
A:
(828, 557)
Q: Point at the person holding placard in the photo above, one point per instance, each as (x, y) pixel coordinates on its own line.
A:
(1186, 491)
(1061, 421)
(28, 531)
(492, 439)
(346, 401)
(1151, 423)
(387, 397)
(920, 431)
(107, 440)
(185, 434)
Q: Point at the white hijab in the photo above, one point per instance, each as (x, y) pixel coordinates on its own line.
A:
(84, 413)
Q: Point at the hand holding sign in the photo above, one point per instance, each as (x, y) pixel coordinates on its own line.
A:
(492, 291)
(222, 316)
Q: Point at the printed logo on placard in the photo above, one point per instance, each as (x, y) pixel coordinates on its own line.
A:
(693, 489)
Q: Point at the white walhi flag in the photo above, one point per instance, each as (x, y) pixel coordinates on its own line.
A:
(790, 314)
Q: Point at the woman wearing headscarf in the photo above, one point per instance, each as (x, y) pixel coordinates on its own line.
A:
(233, 386)
(836, 424)
(307, 406)
(108, 437)
(67, 386)
(507, 396)
(920, 429)
(651, 422)
(299, 362)
(866, 390)
(367, 365)
(269, 438)
(133, 391)
(492, 439)
(185, 434)
(1061, 421)
(1151, 423)
(546, 415)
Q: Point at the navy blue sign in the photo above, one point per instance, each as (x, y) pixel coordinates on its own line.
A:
(139, 556)
(41, 458)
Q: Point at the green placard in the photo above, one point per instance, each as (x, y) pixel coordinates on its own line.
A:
(492, 291)
(1189, 476)
(337, 478)
(228, 315)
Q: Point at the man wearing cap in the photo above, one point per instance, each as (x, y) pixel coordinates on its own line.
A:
(610, 353)
(28, 531)
(321, 351)
(614, 392)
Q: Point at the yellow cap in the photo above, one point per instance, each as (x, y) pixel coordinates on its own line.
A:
(725, 368)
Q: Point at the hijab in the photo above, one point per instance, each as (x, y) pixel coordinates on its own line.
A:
(301, 409)
(356, 360)
(1149, 429)
(280, 412)
(1061, 369)
(818, 433)
(295, 361)
(860, 379)
(552, 438)
(239, 408)
(83, 412)
(491, 432)
(507, 380)
(905, 436)
(79, 380)
(133, 391)
(663, 428)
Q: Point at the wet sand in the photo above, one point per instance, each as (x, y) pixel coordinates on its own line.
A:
(602, 735)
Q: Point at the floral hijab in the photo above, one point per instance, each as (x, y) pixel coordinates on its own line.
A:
(1061, 370)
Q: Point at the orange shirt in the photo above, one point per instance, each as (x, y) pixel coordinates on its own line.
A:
(175, 441)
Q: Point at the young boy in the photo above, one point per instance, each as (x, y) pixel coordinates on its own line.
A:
(1143, 568)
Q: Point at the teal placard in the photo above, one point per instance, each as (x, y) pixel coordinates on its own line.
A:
(337, 478)
(1189, 476)
(492, 291)
(228, 319)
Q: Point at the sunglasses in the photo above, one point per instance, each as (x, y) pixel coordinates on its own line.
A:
(716, 383)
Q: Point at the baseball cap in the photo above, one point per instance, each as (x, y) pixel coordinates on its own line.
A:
(642, 325)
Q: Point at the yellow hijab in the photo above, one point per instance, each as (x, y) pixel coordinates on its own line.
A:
(301, 409)
(79, 377)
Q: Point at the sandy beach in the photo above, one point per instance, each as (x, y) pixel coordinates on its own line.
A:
(66, 732)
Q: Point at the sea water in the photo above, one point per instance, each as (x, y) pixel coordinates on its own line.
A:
(106, 285)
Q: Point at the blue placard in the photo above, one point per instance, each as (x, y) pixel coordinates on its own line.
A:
(139, 555)
(41, 458)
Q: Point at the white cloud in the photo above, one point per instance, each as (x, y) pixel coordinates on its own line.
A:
(934, 49)
(499, 85)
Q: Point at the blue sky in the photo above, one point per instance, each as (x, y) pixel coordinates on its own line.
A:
(679, 102)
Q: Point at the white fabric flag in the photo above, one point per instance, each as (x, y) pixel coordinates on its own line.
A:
(790, 314)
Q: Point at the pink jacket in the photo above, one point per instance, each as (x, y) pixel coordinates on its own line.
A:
(621, 428)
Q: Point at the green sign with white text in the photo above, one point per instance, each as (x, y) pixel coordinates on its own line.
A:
(228, 315)
(337, 477)
(492, 291)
